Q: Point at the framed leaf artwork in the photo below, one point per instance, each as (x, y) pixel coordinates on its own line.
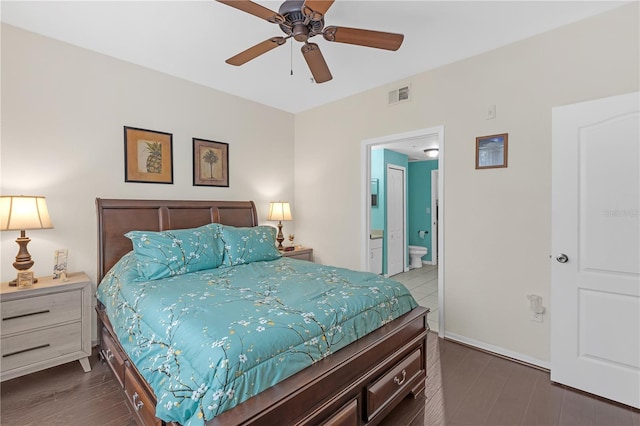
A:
(210, 163)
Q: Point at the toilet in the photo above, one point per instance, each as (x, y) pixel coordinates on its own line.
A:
(416, 253)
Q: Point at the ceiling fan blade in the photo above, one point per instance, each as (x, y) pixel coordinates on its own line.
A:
(316, 63)
(368, 38)
(255, 51)
(315, 9)
(255, 9)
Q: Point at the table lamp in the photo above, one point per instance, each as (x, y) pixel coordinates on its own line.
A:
(19, 213)
(279, 211)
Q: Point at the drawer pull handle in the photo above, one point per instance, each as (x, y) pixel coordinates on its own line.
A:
(137, 405)
(400, 381)
(26, 350)
(46, 311)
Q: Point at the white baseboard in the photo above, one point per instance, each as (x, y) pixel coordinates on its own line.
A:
(498, 350)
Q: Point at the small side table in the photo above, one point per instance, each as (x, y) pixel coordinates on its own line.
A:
(302, 253)
(46, 325)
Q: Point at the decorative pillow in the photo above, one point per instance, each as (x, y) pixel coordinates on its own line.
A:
(246, 245)
(177, 251)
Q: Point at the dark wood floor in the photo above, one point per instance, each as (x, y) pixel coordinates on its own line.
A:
(465, 387)
(65, 395)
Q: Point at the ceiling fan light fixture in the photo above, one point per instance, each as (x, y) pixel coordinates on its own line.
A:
(300, 32)
(431, 152)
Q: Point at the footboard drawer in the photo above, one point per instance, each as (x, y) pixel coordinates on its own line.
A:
(111, 353)
(348, 415)
(396, 381)
(140, 400)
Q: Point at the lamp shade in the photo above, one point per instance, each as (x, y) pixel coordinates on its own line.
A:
(19, 212)
(279, 211)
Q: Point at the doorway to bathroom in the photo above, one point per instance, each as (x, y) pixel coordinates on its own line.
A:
(420, 284)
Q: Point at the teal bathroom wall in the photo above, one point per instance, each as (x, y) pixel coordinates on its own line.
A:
(380, 158)
(378, 172)
(419, 203)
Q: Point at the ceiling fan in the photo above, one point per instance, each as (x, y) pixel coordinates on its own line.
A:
(303, 19)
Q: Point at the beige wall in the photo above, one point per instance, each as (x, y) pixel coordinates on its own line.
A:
(497, 222)
(63, 109)
(63, 112)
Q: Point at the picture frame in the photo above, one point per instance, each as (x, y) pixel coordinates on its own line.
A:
(148, 156)
(60, 264)
(492, 151)
(210, 163)
(25, 279)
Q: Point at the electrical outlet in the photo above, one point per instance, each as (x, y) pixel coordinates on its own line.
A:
(535, 305)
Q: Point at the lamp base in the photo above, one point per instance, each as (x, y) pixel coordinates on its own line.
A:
(280, 236)
(23, 258)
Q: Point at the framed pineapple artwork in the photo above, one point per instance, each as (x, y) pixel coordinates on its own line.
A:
(148, 156)
(210, 163)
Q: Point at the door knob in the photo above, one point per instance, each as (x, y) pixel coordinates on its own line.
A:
(562, 258)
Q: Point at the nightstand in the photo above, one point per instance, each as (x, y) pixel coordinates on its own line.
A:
(302, 253)
(46, 325)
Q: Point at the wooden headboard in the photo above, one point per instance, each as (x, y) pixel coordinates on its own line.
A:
(117, 217)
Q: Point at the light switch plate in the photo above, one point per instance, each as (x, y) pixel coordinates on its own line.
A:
(491, 112)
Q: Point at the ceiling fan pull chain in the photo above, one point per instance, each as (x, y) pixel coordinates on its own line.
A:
(291, 58)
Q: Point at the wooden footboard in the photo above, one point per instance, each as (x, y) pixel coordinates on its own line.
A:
(358, 385)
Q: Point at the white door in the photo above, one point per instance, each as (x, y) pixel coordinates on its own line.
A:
(396, 247)
(595, 273)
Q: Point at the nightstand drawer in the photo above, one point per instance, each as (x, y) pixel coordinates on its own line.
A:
(302, 253)
(41, 345)
(40, 311)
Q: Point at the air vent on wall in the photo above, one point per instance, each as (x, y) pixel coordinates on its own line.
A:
(399, 95)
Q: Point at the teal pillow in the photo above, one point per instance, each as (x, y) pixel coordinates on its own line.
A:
(246, 245)
(177, 251)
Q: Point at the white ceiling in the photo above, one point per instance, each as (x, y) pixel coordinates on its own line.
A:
(412, 147)
(192, 39)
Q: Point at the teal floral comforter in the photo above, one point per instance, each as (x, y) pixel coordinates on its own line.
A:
(209, 340)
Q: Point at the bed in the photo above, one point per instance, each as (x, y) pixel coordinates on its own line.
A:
(345, 374)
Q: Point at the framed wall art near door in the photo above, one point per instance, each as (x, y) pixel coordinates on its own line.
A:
(148, 156)
(210, 163)
(491, 151)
